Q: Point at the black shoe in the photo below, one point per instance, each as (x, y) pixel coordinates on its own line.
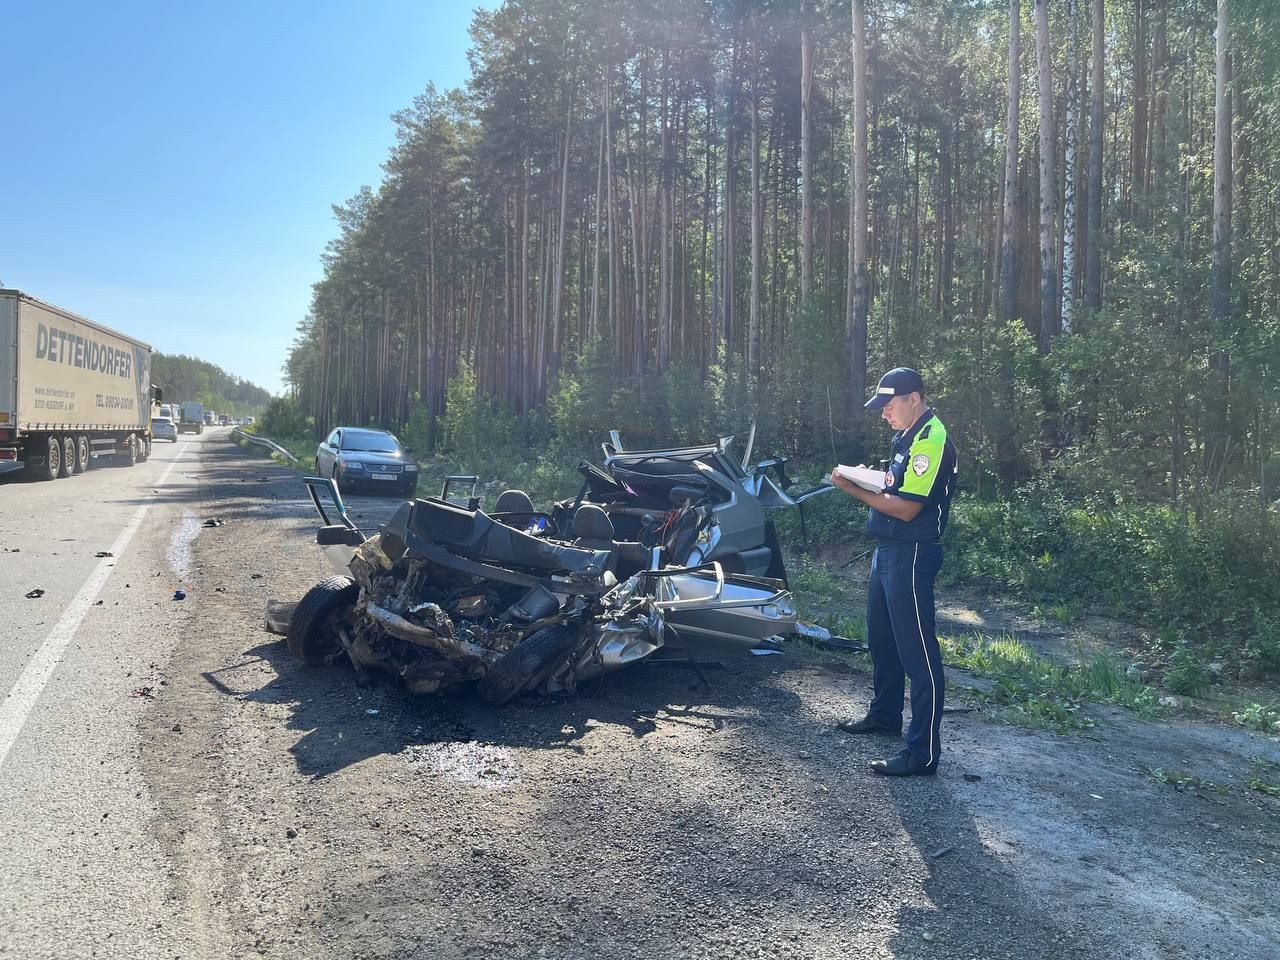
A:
(904, 764)
(867, 725)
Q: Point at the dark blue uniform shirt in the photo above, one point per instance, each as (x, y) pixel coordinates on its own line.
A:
(922, 467)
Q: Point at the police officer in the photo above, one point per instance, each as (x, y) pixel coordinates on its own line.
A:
(906, 520)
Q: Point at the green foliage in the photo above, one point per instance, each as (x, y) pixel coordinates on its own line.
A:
(476, 429)
(1036, 691)
(804, 410)
(417, 433)
(1148, 563)
(1186, 674)
(1262, 786)
(993, 387)
(813, 582)
(284, 420)
(1257, 716)
(1262, 644)
(187, 378)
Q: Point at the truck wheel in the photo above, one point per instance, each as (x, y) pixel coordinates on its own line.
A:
(144, 449)
(526, 664)
(313, 628)
(82, 453)
(67, 462)
(130, 455)
(46, 467)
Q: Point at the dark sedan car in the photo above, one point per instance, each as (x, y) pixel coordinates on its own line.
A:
(360, 457)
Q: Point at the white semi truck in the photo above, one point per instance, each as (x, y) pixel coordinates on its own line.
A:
(70, 390)
(192, 417)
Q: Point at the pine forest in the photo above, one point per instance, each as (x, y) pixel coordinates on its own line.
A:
(678, 217)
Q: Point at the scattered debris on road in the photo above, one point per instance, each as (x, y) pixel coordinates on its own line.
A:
(104, 553)
(179, 595)
(145, 693)
(214, 522)
(35, 594)
(279, 613)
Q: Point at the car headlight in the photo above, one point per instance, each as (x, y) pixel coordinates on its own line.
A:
(352, 465)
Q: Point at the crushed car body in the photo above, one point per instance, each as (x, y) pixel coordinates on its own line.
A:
(659, 547)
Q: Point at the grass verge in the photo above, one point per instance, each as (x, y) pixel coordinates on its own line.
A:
(1031, 690)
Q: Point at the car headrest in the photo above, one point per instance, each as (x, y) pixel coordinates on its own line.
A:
(513, 501)
(592, 523)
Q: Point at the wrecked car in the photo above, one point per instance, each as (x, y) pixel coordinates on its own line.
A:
(659, 547)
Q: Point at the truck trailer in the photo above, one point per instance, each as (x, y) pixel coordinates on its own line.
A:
(71, 390)
(192, 419)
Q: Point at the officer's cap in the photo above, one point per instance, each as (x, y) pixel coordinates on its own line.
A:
(898, 382)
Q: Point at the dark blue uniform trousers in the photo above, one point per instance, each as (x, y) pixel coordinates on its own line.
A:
(900, 632)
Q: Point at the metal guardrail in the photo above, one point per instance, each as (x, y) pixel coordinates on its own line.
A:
(238, 434)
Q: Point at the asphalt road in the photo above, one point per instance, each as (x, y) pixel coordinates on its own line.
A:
(75, 809)
(173, 784)
(81, 873)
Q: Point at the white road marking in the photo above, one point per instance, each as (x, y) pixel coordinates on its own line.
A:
(22, 698)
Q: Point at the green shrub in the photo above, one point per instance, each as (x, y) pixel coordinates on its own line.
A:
(1263, 642)
(284, 420)
(1186, 674)
(1148, 563)
(477, 429)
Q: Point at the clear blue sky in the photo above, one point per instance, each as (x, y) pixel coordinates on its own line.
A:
(168, 168)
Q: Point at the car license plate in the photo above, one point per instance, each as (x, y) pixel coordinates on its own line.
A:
(383, 476)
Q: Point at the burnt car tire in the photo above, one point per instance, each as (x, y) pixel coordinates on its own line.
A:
(526, 664)
(312, 636)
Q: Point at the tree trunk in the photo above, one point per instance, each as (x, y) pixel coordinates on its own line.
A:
(1138, 140)
(1069, 169)
(730, 246)
(1009, 227)
(1048, 181)
(558, 280)
(757, 213)
(858, 306)
(1220, 296)
(595, 272)
(1093, 253)
(806, 163)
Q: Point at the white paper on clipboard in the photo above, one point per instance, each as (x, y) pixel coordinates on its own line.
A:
(865, 477)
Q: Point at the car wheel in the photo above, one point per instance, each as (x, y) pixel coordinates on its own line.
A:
(526, 664)
(67, 462)
(313, 629)
(336, 474)
(82, 453)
